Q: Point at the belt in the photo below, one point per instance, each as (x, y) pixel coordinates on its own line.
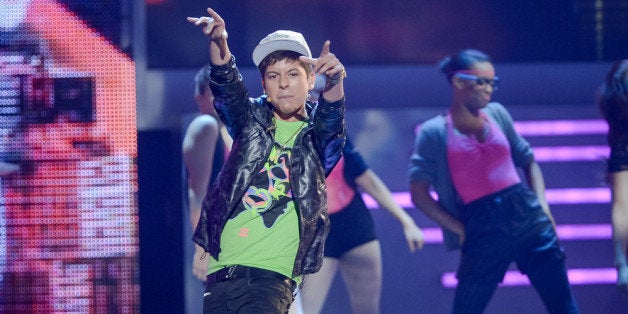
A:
(239, 271)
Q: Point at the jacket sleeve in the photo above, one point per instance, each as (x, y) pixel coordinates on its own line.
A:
(231, 98)
(429, 164)
(355, 165)
(330, 133)
(425, 155)
(522, 153)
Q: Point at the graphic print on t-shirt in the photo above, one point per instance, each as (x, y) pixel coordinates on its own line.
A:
(270, 191)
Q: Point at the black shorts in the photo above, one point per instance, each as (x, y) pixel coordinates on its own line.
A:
(618, 160)
(349, 228)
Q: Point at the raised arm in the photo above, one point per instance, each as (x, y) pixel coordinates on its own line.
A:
(329, 65)
(370, 183)
(214, 27)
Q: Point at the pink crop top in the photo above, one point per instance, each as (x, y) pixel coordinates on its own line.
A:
(478, 168)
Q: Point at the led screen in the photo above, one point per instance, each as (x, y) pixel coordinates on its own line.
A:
(68, 208)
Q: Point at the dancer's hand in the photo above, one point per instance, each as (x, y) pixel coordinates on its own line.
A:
(200, 264)
(328, 64)
(414, 237)
(213, 25)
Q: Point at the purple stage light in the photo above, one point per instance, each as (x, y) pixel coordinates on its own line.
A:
(577, 276)
(578, 196)
(557, 127)
(570, 153)
(585, 232)
(554, 197)
(560, 127)
(565, 233)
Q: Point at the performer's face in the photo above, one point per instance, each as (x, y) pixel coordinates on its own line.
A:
(288, 83)
(477, 95)
(12, 13)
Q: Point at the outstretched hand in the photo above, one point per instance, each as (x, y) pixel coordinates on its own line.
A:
(327, 63)
(414, 237)
(213, 25)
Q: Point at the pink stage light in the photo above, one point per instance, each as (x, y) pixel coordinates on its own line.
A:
(577, 276)
(565, 233)
(570, 153)
(556, 127)
(432, 235)
(600, 195)
(585, 232)
(560, 127)
(578, 196)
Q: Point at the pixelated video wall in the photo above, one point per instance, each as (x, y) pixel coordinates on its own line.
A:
(68, 177)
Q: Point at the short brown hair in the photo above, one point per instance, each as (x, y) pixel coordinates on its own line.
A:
(280, 55)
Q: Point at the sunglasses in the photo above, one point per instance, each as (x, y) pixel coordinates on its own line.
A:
(480, 81)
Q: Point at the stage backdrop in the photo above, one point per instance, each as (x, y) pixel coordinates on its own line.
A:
(391, 32)
(68, 149)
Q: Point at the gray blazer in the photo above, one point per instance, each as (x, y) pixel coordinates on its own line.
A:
(429, 160)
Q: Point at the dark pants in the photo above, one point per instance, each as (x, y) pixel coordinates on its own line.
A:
(505, 227)
(248, 295)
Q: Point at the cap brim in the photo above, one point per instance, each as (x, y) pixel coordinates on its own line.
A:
(263, 50)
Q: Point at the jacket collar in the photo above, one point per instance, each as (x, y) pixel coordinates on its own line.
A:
(263, 112)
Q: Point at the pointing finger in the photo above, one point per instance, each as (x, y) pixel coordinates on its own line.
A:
(325, 49)
(215, 16)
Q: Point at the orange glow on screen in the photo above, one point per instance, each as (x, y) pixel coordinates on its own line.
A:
(74, 45)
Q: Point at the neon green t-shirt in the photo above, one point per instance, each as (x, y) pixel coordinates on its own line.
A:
(263, 231)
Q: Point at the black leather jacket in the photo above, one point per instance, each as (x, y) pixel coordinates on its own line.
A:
(316, 151)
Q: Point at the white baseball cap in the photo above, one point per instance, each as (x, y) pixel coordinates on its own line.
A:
(280, 40)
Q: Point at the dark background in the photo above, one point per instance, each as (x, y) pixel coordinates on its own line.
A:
(399, 31)
(370, 32)
(112, 19)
